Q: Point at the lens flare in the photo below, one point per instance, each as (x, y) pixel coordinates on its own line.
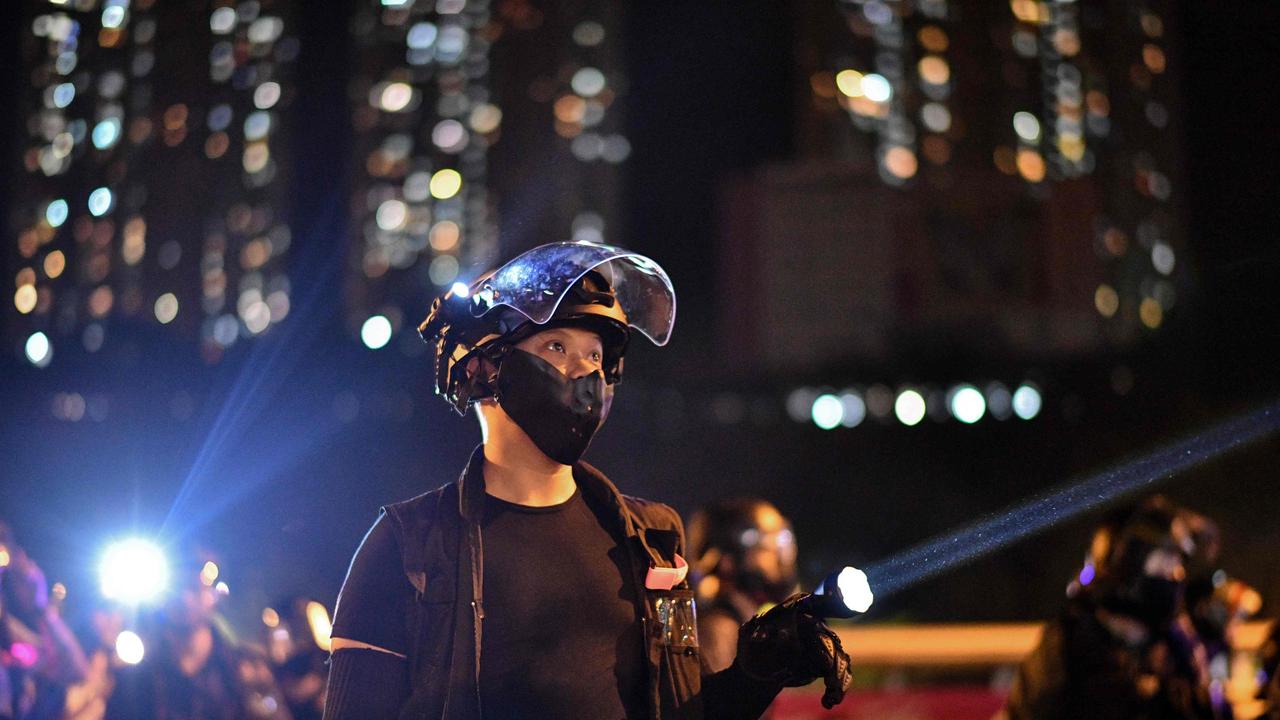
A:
(133, 572)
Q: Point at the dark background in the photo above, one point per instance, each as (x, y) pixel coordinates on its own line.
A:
(265, 473)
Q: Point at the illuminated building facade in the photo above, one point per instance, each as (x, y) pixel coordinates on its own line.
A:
(437, 85)
(423, 118)
(988, 180)
(153, 180)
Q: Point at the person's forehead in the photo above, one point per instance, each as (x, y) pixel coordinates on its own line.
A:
(568, 332)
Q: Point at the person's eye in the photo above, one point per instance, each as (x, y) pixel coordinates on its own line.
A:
(595, 358)
(555, 346)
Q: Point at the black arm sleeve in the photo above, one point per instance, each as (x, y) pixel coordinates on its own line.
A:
(731, 695)
(365, 685)
(373, 606)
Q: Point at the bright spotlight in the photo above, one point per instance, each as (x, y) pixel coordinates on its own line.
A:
(376, 332)
(827, 411)
(967, 404)
(461, 290)
(909, 407)
(1026, 401)
(129, 648)
(855, 589)
(133, 572)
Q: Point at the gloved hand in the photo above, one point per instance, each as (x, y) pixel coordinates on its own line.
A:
(791, 646)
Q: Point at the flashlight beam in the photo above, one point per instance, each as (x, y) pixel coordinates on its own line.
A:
(993, 532)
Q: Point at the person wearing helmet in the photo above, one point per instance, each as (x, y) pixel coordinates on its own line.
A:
(1122, 647)
(1217, 604)
(744, 558)
(530, 587)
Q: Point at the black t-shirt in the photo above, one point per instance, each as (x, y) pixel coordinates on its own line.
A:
(561, 634)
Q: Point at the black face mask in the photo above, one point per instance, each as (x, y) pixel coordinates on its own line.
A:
(559, 414)
(1154, 601)
(753, 583)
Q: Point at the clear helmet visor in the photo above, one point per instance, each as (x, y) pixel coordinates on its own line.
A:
(535, 282)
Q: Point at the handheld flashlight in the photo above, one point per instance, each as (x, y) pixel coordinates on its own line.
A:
(133, 572)
(842, 594)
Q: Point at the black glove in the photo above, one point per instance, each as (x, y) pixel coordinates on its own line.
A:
(791, 646)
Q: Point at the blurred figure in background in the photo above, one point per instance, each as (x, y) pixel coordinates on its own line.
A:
(298, 631)
(39, 656)
(1269, 674)
(1123, 647)
(192, 667)
(1216, 605)
(87, 699)
(745, 558)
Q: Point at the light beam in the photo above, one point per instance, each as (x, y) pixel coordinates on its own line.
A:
(989, 534)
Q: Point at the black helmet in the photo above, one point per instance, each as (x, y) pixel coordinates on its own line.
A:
(733, 528)
(1119, 569)
(606, 289)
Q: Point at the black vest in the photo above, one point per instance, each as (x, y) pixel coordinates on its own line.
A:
(443, 558)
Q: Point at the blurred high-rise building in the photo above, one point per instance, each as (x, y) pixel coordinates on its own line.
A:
(154, 177)
(481, 129)
(992, 181)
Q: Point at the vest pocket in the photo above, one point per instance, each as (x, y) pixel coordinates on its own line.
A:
(677, 616)
(682, 677)
(439, 587)
(674, 640)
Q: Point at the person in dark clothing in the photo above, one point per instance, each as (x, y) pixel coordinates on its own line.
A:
(192, 668)
(1216, 605)
(532, 588)
(1269, 674)
(1123, 648)
(298, 631)
(39, 655)
(744, 558)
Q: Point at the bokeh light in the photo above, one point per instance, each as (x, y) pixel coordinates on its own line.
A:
(39, 350)
(376, 332)
(588, 82)
(395, 97)
(1026, 401)
(100, 201)
(56, 213)
(129, 648)
(909, 407)
(967, 404)
(827, 411)
(849, 82)
(445, 184)
(854, 409)
(166, 308)
(25, 298)
(1027, 126)
(876, 88)
(320, 624)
